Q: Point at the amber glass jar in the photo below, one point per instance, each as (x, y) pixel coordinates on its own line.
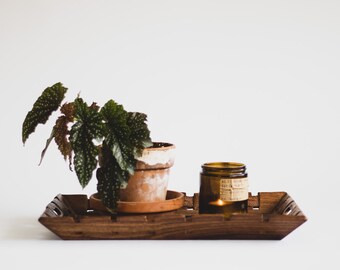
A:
(223, 188)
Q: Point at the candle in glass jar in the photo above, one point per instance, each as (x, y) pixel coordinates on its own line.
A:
(223, 188)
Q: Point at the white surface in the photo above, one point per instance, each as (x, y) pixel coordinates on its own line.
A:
(249, 81)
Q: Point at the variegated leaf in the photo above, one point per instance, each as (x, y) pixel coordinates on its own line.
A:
(118, 135)
(88, 127)
(48, 102)
(110, 176)
(68, 110)
(61, 136)
(140, 134)
(85, 163)
(62, 132)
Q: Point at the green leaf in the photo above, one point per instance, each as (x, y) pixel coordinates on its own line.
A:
(88, 127)
(140, 134)
(48, 102)
(110, 176)
(118, 135)
(85, 163)
(126, 135)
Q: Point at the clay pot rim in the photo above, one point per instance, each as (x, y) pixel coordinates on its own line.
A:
(158, 148)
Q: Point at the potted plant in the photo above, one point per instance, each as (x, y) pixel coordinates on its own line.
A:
(108, 139)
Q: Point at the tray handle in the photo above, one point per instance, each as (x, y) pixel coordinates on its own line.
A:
(56, 208)
(287, 206)
(67, 205)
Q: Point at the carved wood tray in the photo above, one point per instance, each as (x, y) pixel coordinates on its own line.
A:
(271, 215)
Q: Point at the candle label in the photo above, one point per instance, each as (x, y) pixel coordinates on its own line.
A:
(234, 189)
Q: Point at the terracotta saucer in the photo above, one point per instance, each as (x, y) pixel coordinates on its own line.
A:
(174, 200)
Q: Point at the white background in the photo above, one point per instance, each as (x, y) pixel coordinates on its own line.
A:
(249, 81)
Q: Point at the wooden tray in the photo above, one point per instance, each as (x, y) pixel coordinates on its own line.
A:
(271, 215)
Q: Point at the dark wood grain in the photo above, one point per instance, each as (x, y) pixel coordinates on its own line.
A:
(271, 215)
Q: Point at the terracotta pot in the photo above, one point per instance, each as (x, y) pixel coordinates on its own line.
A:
(150, 180)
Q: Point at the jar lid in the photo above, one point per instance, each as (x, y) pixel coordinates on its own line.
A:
(224, 166)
